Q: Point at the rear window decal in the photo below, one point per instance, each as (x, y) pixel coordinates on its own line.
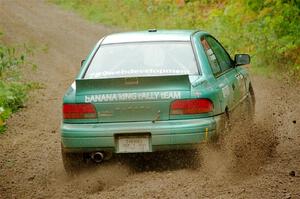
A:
(136, 72)
(142, 58)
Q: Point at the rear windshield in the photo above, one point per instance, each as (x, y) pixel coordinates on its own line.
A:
(142, 59)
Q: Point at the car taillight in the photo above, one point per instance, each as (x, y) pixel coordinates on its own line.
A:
(79, 111)
(192, 106)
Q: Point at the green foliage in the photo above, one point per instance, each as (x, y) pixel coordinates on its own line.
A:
(13, 92)
(267, 29)
(8, 59)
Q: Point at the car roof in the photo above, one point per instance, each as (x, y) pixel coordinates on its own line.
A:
(149, 35)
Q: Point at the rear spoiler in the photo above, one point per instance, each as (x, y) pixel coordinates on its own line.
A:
(89, 86)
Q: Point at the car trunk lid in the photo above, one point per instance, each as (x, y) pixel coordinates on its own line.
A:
(133, 99)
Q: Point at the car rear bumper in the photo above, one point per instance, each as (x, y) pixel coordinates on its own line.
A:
(175, 134)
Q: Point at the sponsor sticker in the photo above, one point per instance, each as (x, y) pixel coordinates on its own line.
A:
(111, 97)
(225, 91)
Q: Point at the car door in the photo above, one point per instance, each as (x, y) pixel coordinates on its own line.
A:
(228, 79)
(244, 80)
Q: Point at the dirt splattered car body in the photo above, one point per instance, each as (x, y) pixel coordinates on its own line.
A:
(154, 90)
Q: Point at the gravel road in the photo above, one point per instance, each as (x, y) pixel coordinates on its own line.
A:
(251, 162)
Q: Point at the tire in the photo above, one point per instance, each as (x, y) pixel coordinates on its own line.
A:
(72, 161)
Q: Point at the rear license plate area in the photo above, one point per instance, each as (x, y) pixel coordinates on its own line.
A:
(133, 143)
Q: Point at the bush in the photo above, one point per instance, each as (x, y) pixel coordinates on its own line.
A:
(13, 93)
(269, 30)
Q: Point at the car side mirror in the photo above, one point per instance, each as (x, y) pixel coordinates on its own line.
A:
(82, 62)
(241, 59)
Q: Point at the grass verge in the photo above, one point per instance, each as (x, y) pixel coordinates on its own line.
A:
(13, 90)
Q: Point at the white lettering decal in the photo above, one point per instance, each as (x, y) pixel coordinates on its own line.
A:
(132, 96)
(130, 72)
(225, 91)
(156, 95)
(87, 99)
(176, 95)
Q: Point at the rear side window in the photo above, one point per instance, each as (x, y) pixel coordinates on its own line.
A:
(142, 59)
(211, 57)
(222, 56)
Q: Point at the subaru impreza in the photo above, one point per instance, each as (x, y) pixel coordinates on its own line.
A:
(141, 92)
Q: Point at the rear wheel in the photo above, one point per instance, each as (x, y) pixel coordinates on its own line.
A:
(72, 161)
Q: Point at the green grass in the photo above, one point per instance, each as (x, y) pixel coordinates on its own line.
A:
(13, 90)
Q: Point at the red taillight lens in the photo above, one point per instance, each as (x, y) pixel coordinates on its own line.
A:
(194, 106)
(79, 111)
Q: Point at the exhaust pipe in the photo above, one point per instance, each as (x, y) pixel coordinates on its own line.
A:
(97, 157)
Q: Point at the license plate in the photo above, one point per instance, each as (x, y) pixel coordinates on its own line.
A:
(133, 144)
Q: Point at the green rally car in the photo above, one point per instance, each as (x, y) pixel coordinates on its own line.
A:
(148, 91)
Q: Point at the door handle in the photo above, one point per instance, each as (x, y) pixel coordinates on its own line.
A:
(233, 86)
